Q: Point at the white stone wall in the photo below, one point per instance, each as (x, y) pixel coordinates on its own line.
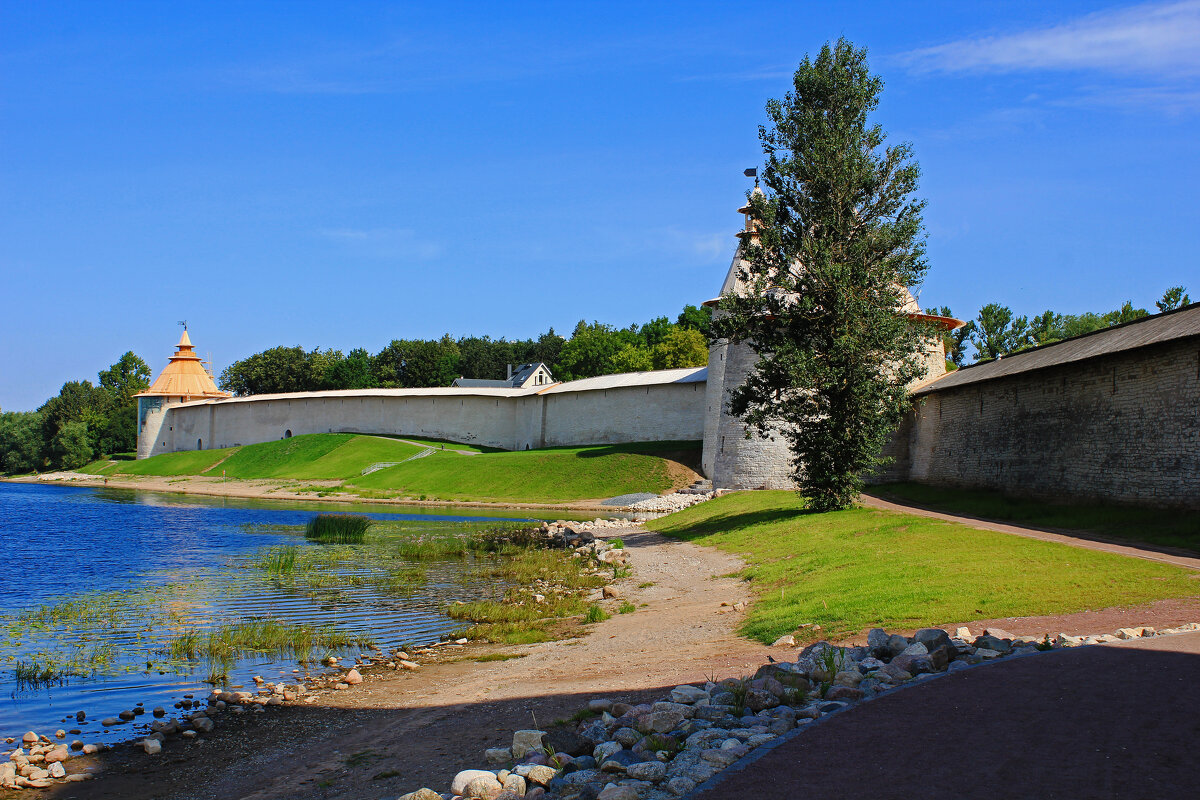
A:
(734, 461)
(656, 412)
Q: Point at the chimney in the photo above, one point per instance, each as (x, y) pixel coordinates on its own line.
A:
(509, 378)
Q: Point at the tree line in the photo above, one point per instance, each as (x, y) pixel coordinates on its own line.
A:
(996, 331)
(79, 424)
(593, 349)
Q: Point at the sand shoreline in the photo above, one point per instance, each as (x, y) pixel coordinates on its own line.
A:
(277, 490)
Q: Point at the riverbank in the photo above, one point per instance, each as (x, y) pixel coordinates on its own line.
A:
(401, 729)
(267, 489)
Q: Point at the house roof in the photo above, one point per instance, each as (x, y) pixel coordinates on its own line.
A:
(652, 378)
(522, 374)
(1178, 324)
(184, 375)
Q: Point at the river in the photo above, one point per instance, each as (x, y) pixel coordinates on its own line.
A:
(97, 582)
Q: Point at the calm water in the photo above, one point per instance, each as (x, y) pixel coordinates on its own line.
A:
(170, 564)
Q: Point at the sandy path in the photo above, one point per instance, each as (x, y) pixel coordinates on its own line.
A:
(420, 728)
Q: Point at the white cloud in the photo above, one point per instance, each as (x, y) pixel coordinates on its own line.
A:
(1160, 39)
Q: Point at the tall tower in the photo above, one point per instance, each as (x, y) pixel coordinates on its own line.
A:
(734, 460)
(730, 459)
(184, 379)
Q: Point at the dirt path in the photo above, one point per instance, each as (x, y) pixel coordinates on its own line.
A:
(399, 731)
(1083, 539)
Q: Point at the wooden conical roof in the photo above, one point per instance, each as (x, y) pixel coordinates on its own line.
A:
(184, 376)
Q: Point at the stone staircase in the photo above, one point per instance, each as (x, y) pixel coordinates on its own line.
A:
(702, 486)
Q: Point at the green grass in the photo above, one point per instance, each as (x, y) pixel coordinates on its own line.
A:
(595, 614)
(540, 476)
(224, 643)
(450, 446)
(319, 456)
(337, 528)
(1158, 527)
(279, 561)
(187, 462)
(862, 568)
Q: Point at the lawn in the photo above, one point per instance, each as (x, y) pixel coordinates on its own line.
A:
(1166, 528)
(187, 462)
(321, 456)
(536, 476)
(861, 568)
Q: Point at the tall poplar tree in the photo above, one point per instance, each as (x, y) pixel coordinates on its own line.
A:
(841, 235)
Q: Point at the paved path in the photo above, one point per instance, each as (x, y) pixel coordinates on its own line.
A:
(1082, 539)
(1114, 721)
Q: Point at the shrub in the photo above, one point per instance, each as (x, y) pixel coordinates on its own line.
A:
(337, 528)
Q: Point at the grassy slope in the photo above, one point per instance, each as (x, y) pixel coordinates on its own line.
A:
(861, 568)
(1169, 528)
(189, 462)
(539, 476)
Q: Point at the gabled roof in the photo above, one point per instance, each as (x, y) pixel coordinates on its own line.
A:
(184, 376)
(518, 380)
(1178, 324)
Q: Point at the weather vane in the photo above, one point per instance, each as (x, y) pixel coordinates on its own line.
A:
(752, 172)
(183, 322)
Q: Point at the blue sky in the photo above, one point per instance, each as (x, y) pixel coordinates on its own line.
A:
(342, 174)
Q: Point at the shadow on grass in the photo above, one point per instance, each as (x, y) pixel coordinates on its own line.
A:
(1175, 533)
(727, 522)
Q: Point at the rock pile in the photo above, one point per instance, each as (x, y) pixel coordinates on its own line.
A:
(675, 501)
(662, 750)
(40, 762)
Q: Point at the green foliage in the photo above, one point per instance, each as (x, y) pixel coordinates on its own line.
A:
(695, 318)
(680, 348)
(863, 568)
(125, 378)
(589, 352)
(626, 608)
(21, 444)
(840, 238)
(337, 528)
(1173, 298)
(70, 447)
(595, 614)
(279, 369)
(631, 358)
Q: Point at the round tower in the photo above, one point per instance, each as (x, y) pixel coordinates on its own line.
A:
(183, 380)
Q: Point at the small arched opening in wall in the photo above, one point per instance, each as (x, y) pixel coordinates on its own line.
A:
(199, 444)
(287, 434)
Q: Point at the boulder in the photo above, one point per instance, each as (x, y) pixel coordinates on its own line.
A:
(57, 770)
(614, 792)
(202, 724)
(57, 754)
(845, 693)
(421, 794)
(526, 742)
(897, 644)
(915, 649)
(941, 656)
(932, 638)
(498, 755)
(485, 787)
(664, 721)
(541, 775)
(989, 642)
(789, 679)
(152, 746)
(687, 694)
(459, 784)
(353, 677)
(567, 741)
(785, 641)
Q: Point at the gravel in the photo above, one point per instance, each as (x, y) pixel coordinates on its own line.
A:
(627, 499)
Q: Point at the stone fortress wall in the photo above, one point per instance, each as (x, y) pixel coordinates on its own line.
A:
(658, 406)
(1119, 427)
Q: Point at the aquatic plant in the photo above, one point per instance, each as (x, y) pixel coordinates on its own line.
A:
(231, 641)
(278, 561)
(337, 528)
(35, 675)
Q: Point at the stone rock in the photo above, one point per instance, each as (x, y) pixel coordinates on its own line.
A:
(421, 794)
(76, 745)
(653, 771)
(609, 593)
(759, 699)
(353, 677)
(845, 693)
(1064, 640)
(983, 652)
(484, 787)
(159, 712)
(152, 746)
(618, 761)
(897, 644)
(459, 784)
(786, 677)
(498, 755)
(203, 724)
(57, 754)
(30, 738)
(108, 722)
(687, 694)
(942, 655)
(915, 649)
(663, 721)
(848, 678)
(567, 741)
(680, 785)
(57, 770)
(541, 775)
(600, 705)
(989, 642)
(515, 784)
(999, 633)
(526, 742)
(784, 641)
(933, 638)
(127, 715)
(615, 792)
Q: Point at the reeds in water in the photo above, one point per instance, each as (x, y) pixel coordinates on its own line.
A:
(337, 528)
(278, 561)
(221, 645)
